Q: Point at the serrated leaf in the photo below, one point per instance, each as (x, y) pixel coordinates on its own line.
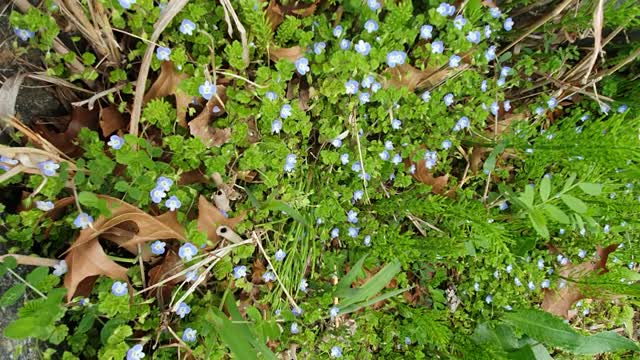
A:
(574, 203)
(119, 334)
(12, 295)
(545, 188)
(591, 188)
(557, 214)
(539, 223)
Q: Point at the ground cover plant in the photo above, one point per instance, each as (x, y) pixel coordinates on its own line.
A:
(325, 179)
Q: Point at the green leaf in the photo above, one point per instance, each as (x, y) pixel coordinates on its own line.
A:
(10, 262)
(574, 203)
(527, 196)
(591, 188)
(352, 275)
(91, 200)
(370, 288)
(119, 334)
(490, 162)
(557, 214)
(545, 188)
(355, 307)
(59, 334)
(606, 341)
(529, 352)
(539, 223)
(12, 294)
(26, 327)
(569, 182)
(281, 206)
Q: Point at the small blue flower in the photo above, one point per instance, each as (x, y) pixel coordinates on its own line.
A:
(182, 310)
(437, 47)
(353, 231)
(501, 82)
(268, 276)
(239, 271)
(356, 166)
(508, 24)
(48, 167)
(335, 232)
(173, 203)
(487, 31)
(333, 312)
(551, 103)
(539, 110)
(473, 37)
(445, 9)
(461, 124)
(364, 176)
(397, 159)
(207, 90)
(319, 47)
(302, 286)
(337, 31)
(351, 87)
(364, 97)
(367, 240)
(388, 145)
(540, 264)
(285, 111)
(296, 311)
(448, 99)
(126, 4)
(135, 352)
(345, 44)
(531, 285)
(294, 328)
(119, 288)
(483, 86)
(344, 159)
(517, 282)
(430, 157)
(163, 53)
(494, 108)
(375, 87)
(23, 34)
(426, 96)
(336, 352)
(476, 287)
(189, 335)
(395, 58)
(490, 54)
(488, 299)
(459, 22)
(302, 65)
(367, 81)
(289, 163)
(279, 255)
(337, 142)
(363, 48)
(503, 206)
(396, 124)
(187, 26)
(622, 108)
(164, 183)
(504, 72)
(357, 195)
(545, 284)
(506, 105)
(157, 247)
(191, 276)
(454, 61)
(82, 221)
(271, 95)
(446, 144)
(157, 194)
(373, 4)
(187, 251)
(495, 12)
(352, 217)
(604, 108)
(115, 142)
(426, 32)
(370, 26)
(276, 126)
(44, 205)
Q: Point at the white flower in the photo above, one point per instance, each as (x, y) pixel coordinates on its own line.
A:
(60, 268)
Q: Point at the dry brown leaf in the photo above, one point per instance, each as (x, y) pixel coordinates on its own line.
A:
(67, 128)
(199, 126)
(166, 83)
(291, 54)
(182, 107)
(209, 217)
(504, 121)
(170, 266)
(111, 120)
(422, 174)
(408, 76)
(194, 176)
(276, 12)
(558, 302)
(9, 94)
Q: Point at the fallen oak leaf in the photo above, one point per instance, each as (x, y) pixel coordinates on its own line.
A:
(291, 54)
(276, 12)
(167, 84)
(111, 120)
(423, 175)
(210, 217)
(78, 119)
(170, 266)
(199, 126)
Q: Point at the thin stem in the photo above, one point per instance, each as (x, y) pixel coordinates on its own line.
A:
(26, 283)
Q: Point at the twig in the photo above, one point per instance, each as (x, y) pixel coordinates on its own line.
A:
(91, 101)
(352, 121)
(26, 283)
(31, 260)
(228, 9)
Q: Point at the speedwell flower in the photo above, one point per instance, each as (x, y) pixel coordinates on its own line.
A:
(239, 271)
(364, 97)
(508, 24)
(473, 37)
(426, 96)
(276, 126)
(187, 251)
(551, 103)
(187, 26)
(182, 310)
(285, 111)
(448, 99)
(290, 163)
(23, 34)
(207, 90)
(302, 65)
(370, 26)
(362, 47)
(163, 53)
(373, 4)
(189, 335)
(446, 144)
(126, 4)
(351, 87)
(495, 12)
(157, 247)
(454, 61)
(461, 124)
(135, 352)
(319, 47)
(490, 54)
(157, 194)
(344, 159)
(173, 203)
(337, 31)
(336, 352)
(459, 22)
(437, 47)
(48, 167)
(82, 221)
(396, 124)
(279, 255)
(44, 205)
(395, 58)
(60, 268)
(115, 142)
(426, 32)
(164, 183)
(119, 288)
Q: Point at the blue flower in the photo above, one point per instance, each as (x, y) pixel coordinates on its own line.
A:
(157, 194)
(344, 159)
(44, 205)
(397, 159)
(157, 247)
(622, 108)
(504, 72)
(279, 255)
(373, 4)
(268, 276)
(239, 271)
(164, 183)
(82, 221)
(182, 309)
(163, 53)
(319, 47)
(370, 26)
(375, 87)
(187, 251)
(396, 124)
(367, 81)
(461, 124)
(494, 108)
(126, 4)
(495, 12)
(48, 167)
(334, 311)
(500, 82)
(337, 142)
(276, 126)
(173, 203)
(135, 352)
(337, 31)
(604, 108)
(426, 32)
(483, 86)
(508, 24)
(302, 286)
(356, 166)
(191, 276)
(289, 163)
(119, 288)
(473, 37)
(531, 285)
(487, 31)
(426, 96)
(353, 231)
(476, 287)
(459, 22)
(388, 145)
(207, 90)
(551, 103)
(454, 61)
(294, 328)
(490, 54)
(60, 268)
(345, 44)
(517, 282)
(302, 65)
(506, 105)
(364, 176)
(296, 311)
(448, 99)
(364, 97)
(23, 34)
(539, 110)
(271, 95)
(336, 352)
(363, 48)
(187, 26)
(351, 87)
(446, 144)
(545, 284)
(285, 111)
(437, 47)
(395, 58)
(352, 217)
(367, 240)
(540, 264)
(357, 195)
(503, 206)
(430, 159)
(335, 232)
(115, 142)
(189, 335)
(488, 299)
(445, 9)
